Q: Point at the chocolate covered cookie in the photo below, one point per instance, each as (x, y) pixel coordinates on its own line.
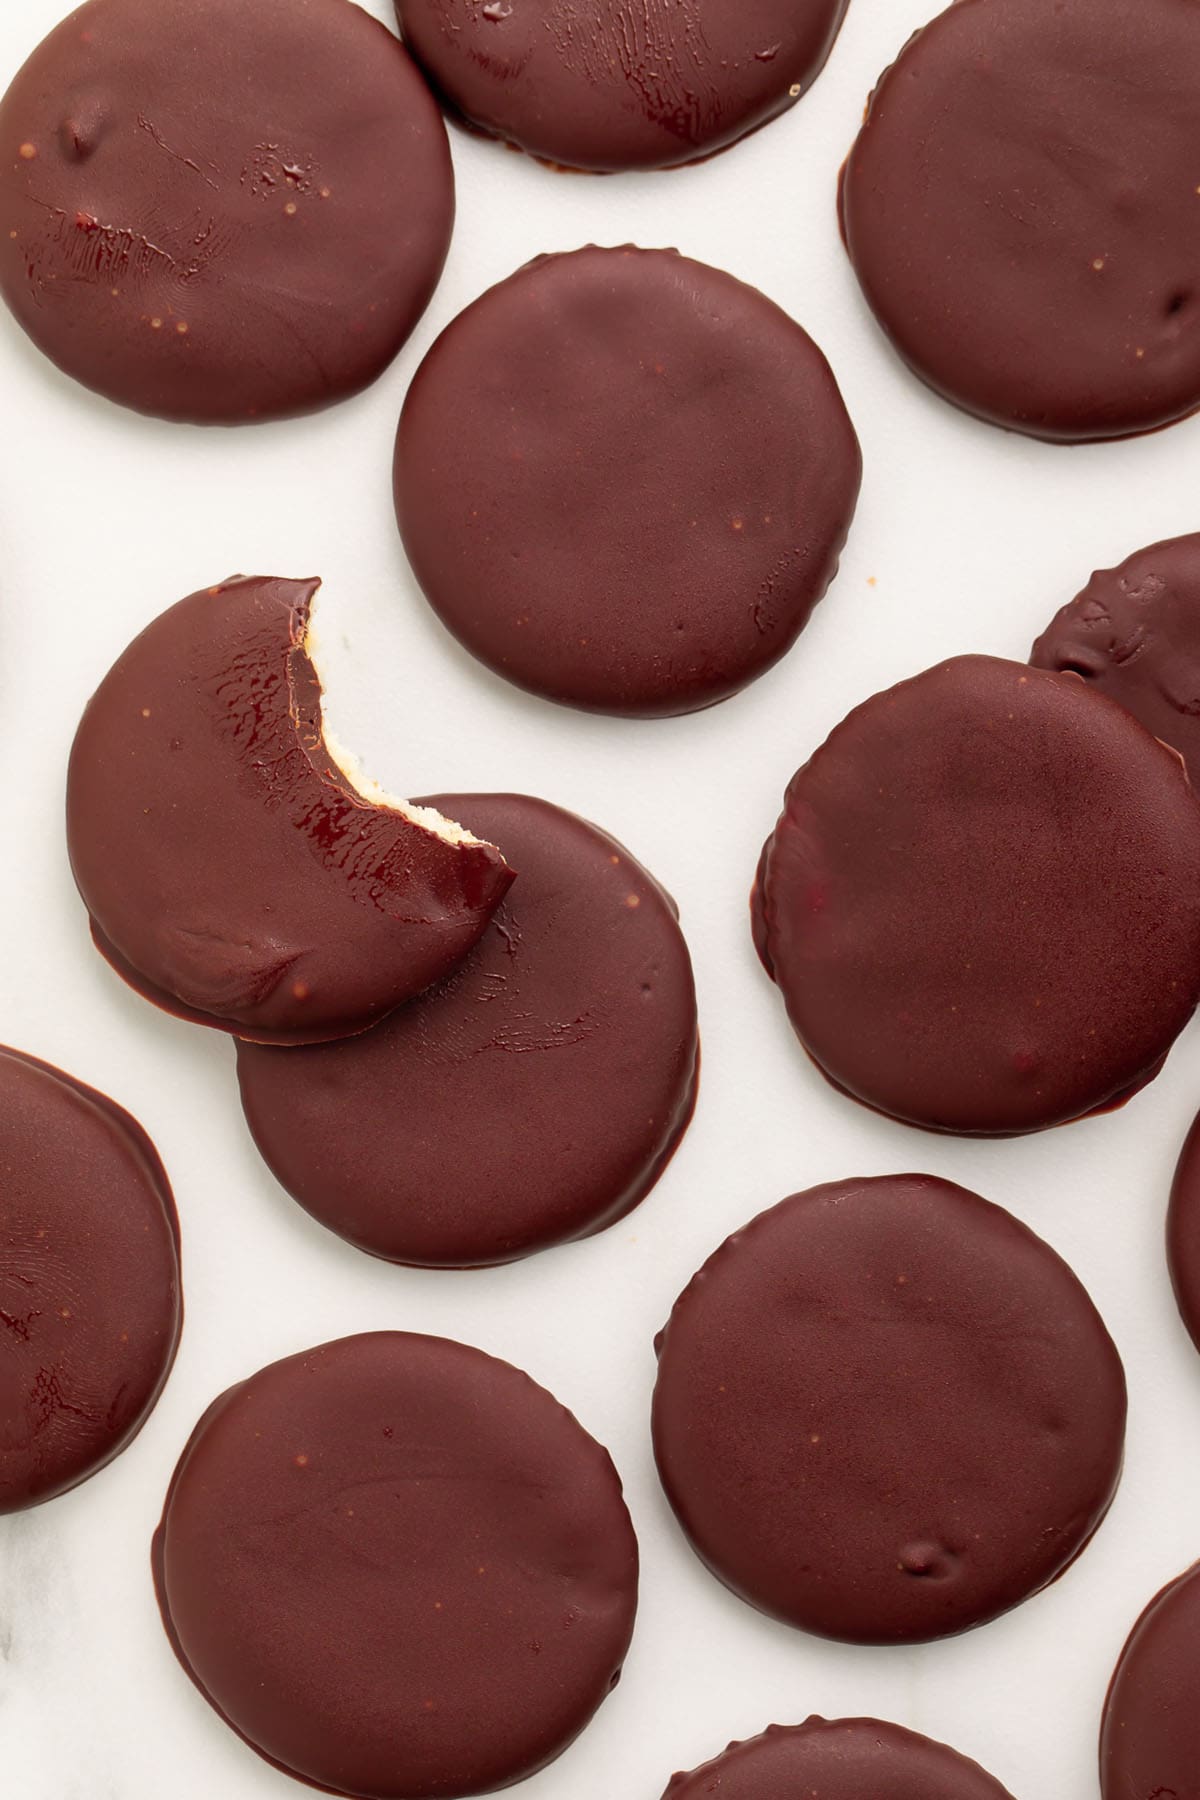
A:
(838, 1759)
(1134, 634)
(620, 84)
(217, 211)
(238, 868)
(887, 1412)
(1150, 1738)
(1183, 1233)
(559, 1060)
(90, 1305)
(982, 901)
(1022, 209)
(397, 1568)
(624, 479)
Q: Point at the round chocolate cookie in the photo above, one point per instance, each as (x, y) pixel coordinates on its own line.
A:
(1150, 1738)
(620, 84)
(838, 1759)
(217, 211)
(236, 872)
(559, 1060)
(887, 1412)
(1021, 208)
(397, 1568)
(982, 901)
(1134, 633)
(90, 1307)
(624, 480)
(1183, 1234)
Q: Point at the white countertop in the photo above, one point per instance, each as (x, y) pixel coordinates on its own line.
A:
(966, 539)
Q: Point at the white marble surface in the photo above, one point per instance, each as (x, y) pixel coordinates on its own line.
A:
(966, 539)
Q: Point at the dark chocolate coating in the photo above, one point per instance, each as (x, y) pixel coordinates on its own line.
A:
(624, 480)
(90, 1304)
(982, 901)
(1021, 208)
(217, 211)
(838, 1759)
(397, 1568)
(232, 873)
(1183, 1233)
(887, 1412)
(532, 1097)
(620, 84)
(1134, 634)
(1150, 1738)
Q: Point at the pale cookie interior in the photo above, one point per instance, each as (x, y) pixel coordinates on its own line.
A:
(427, 818)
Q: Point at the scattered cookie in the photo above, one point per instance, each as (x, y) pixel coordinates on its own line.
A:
(831, 1430)
(611, 85)
(217, 212)
(982, 901)
(1134, 634)
(90, 1306)
(1021, 211)
(624, 479)
(239, 869)
(1150, 1738)
(532, 1097)
(1183, 1233)
(838, 1759)
(396, 1566)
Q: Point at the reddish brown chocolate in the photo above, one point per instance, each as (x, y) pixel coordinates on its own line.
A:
(620, 84)
(533, 1097)
(838, 1759)
(1134, 633)
(232, 873)
(1021, 210)
(397, 1568)
(624, 480)
(90, 1306)
(1150, 1738)
(218, 211)
(982, 901)
(887, 1412)
(1183, 1233)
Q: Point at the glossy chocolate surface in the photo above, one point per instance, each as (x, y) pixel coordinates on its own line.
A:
(1134, 634)
(620, 84)
(90, 1304)
(1150, 1738)
(1021, 210)
(232, 873)
(532, 1097)
(624, 479)
(398, 1568)
(219, 211)
(982, 901)
(887, 1412)
(838, 1759)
